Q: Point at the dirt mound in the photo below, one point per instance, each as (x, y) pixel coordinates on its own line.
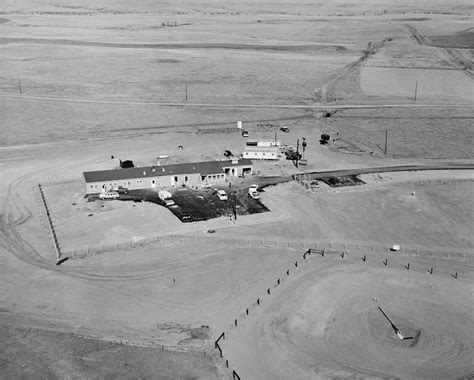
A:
(334, 327)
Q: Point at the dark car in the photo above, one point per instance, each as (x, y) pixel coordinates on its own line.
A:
(285, 129)
(122, 190)
(228, 153)
(245, 134)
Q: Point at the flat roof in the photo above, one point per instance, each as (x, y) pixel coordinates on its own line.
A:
(240, 162)
(261, 149)
(203, 168)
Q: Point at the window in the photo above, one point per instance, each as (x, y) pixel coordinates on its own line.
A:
(139, 181)
(255, 153)
(264, 154)
(176, 179)
(92, 186)
(129, 183)
(186, 179)
(214, 176)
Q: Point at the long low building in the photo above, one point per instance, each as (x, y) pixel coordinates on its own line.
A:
(200, 174)
(261, 152)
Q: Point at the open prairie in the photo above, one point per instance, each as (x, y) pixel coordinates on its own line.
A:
(140, 294)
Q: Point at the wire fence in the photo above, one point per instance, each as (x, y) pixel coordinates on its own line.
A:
(286, 273)
(449, 253)
(50, 223)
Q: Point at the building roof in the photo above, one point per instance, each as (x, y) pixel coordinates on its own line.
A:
(261, 149)
(236, 162)
(203, 168)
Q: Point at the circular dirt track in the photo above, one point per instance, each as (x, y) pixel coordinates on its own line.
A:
(327, 324)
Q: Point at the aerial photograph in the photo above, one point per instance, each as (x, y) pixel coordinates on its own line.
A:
(236, 189)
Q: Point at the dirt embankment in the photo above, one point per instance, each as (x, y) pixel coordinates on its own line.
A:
(451, 46)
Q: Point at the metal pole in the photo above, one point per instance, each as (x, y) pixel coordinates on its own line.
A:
(297, 151)
(386, 138)
(19, 84)
(416, 89)
(186, 91)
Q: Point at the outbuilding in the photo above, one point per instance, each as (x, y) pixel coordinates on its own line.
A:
(261, 152)
(237, 167)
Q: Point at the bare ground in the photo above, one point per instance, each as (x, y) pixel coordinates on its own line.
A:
(167, 302)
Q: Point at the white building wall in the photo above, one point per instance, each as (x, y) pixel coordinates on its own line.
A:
(261, 154)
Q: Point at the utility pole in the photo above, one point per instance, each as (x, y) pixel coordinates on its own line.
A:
(186, 91)
(234, 204)
(19, 83)
(297, 151)
(416, 89)
(386, 138)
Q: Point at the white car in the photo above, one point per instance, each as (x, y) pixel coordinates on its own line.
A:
(109, 195)
(253, 191)
(222, 195)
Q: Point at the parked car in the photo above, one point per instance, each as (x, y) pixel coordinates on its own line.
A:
(222, 195)
(245, 133)
(253, 192)
(164, 194)
(169, 202)
(109, 195)
(228, 153)
(285, 129)
(122, 190)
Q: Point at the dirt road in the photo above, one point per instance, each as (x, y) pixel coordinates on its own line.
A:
(217, 105)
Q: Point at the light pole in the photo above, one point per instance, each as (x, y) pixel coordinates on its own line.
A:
(303, 144)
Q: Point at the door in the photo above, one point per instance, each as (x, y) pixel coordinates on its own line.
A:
(153, 183)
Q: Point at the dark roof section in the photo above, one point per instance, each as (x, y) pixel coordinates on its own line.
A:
(240, 162)
(203, 168)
